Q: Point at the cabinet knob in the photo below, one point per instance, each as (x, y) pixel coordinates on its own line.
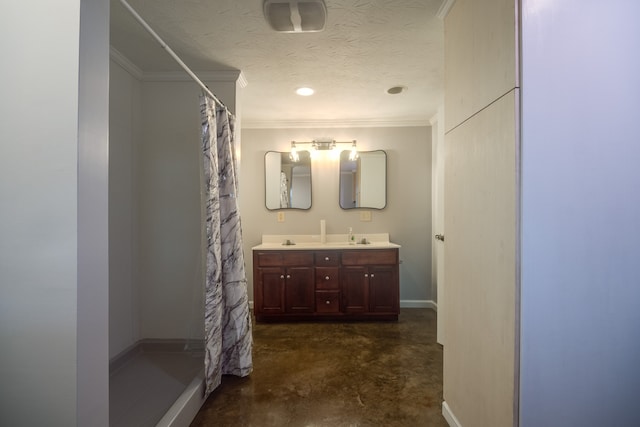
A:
(372, 275)
(288, 276)
(282, 276)
(326, 277)
(328, 302)
(326, 258)
(366, 275)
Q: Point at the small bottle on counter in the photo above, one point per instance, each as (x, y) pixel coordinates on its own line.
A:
(352, 238)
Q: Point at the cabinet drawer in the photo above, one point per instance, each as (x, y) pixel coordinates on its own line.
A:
(284, 258)
(327, 302)
(370, 257)
(327, 278)
(327, 258)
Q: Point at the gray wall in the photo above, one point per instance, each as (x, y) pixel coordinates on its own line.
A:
(580, 212)
(407, 216)
(53, 193)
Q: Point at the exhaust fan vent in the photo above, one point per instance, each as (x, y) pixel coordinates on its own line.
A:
(295, 16)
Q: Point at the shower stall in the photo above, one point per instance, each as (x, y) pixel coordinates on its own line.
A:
(156, 307)
(178, 309)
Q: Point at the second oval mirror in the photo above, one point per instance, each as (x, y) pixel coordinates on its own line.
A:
(363, 182)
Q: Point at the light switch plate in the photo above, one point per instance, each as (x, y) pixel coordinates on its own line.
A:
(365, 215)
(280, 216)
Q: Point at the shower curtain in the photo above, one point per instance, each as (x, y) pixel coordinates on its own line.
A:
(228, 337)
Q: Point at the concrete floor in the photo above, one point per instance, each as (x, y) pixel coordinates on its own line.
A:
(336, 374)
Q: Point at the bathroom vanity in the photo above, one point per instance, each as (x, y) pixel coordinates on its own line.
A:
(297, 278)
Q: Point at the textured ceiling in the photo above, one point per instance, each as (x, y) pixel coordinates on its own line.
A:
(367, 47)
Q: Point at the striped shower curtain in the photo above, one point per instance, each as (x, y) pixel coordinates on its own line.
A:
(228, 337)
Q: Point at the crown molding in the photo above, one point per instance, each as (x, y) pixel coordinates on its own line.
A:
(125, 63)
(232, 76)
(330, 124)
(236, 76)
(444, 8)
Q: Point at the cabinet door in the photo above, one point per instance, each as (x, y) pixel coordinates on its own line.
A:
(269, 296)
(355, 289)
(299, 290)
(383, 289)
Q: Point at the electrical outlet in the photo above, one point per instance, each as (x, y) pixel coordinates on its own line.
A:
(365, 215)
(281, 216)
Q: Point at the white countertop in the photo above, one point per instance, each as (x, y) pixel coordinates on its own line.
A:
(333, 241)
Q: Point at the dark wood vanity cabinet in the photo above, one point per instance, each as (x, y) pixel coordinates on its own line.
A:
(326, 284)
(370, 282)
(286, 283)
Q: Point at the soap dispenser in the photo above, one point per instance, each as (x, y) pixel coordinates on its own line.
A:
(352, 238)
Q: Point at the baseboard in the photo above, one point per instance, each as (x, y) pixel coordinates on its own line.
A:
(418, 303)
(448, 415)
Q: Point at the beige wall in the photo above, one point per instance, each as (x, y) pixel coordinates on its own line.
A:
(407, 216)
(481, 113)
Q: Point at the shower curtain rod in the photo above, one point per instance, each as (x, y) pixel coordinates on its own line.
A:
(170, 51)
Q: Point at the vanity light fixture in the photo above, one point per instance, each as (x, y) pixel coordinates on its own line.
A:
(324, 145)
(317, 146)
(294, 156)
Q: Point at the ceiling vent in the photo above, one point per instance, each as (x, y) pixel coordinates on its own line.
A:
(295, 16)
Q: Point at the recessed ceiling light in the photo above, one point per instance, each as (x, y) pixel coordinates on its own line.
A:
(396, 90)
(305, 91)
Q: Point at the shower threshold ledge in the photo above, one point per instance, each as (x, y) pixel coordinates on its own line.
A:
(157, 383)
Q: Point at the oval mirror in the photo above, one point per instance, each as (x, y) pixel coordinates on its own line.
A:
(287, 183)
(363, 182)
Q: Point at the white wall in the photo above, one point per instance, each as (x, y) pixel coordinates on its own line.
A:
(168, 222)
(580, 211)
(155, 238)
(93, 216)
(53, 304)
(408, 214)
(124, 135)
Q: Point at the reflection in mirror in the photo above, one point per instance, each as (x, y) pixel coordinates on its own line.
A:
(363, 182)
(287, 183)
